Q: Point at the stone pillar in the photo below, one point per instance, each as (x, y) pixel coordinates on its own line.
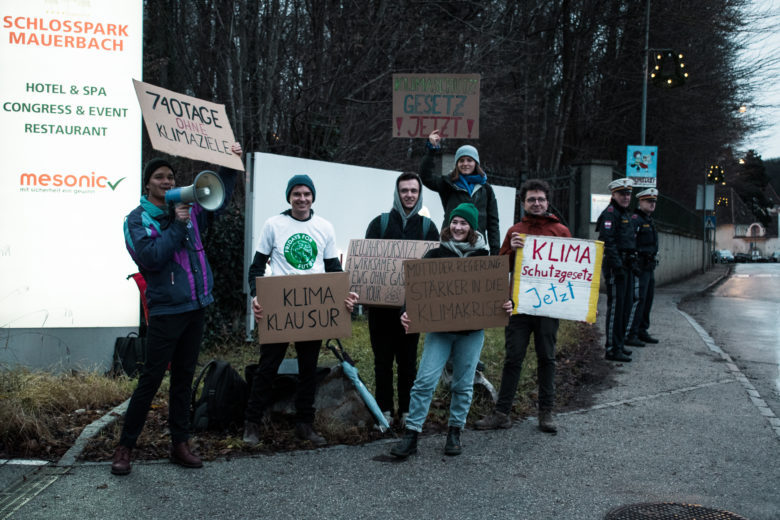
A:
(592, 179)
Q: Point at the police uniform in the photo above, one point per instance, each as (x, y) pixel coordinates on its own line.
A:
(647, 250)
(617, 233)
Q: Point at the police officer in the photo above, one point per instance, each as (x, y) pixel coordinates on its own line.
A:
(646, 249)
(617, 233)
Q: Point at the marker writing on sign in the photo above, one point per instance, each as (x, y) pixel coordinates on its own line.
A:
(554, 294)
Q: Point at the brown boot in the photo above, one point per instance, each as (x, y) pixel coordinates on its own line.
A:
(305, 432)
(546, 422)
(494, 421)
(121, 462)
(181, 455)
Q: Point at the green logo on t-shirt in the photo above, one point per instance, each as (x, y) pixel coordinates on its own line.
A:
(300, 250)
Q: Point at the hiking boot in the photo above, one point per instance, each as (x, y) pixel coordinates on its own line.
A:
(121, 462)
(406, 446)
(251, 433)
(546, 423)
(305, 432)
(647, 338)
(453, 446)
(633, 341)
(614, 354)
(494, 421)
(182, 456)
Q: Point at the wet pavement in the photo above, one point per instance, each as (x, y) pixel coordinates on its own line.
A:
(681, 425)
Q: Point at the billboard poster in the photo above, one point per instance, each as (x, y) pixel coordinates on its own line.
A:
(71, 161)
(423, 103)
(641, 165)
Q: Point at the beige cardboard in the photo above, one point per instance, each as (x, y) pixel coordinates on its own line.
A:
(376, 268)
(451, 294)
(186, 126)
(303, 307)
(423, 103)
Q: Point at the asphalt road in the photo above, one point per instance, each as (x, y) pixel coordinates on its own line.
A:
(681, 424)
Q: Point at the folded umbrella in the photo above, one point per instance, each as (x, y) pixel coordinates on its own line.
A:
(348, 366)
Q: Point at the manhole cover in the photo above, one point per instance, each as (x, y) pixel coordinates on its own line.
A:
(666, 510)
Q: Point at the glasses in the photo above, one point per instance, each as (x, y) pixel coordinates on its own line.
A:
(534, 200)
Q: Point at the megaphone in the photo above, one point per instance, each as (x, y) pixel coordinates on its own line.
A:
(207, 190)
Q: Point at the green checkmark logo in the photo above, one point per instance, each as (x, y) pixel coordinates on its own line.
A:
(115, 184)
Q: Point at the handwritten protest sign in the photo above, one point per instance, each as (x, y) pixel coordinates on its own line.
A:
(451, 294)
(187, 126)
(376, 268)
(423, 103)
(303, 307)
(557, 277)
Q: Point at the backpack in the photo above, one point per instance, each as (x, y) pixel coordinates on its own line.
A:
(129, 355)
(223, 399)
(385, 218)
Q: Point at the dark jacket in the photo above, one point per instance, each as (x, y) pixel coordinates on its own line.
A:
(451, 195)
(619, 236)
(646, 239)
(395, 229)
(170, 254)
(546, 225)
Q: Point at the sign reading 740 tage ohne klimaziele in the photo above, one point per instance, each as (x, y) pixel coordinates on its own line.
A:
(423, 103)
(557, 277)
(186, 126)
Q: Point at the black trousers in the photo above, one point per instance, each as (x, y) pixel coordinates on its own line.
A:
(271, 356)
(619, 300)
(391, 344)
(174, 339)
(517, 336)
(646, 292)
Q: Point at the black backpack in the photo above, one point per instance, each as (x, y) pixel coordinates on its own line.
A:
(223, 399)
(129, 356)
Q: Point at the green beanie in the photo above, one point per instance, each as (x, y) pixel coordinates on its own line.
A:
(468, 211)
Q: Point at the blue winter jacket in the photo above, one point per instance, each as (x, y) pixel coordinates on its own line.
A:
(170, 254)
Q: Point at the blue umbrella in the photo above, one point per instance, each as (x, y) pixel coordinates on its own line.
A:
(348, 366)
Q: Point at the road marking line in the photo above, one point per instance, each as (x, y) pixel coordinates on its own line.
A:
(751, 391)
(17, 495)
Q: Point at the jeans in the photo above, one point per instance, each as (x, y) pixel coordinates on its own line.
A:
(517, 336)
(464, 349)
(271, 356)
(174, 339)
(390, 343)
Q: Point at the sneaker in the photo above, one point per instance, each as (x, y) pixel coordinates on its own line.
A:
(121, 461)
(404, 416)
(494, 421)
(305, 432)
(546, 422)
(251, 433)
(388, 416)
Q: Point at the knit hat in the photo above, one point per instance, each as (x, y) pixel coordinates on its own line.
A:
(152, 165)
(468, 151)
(301, 180)
(468, 211)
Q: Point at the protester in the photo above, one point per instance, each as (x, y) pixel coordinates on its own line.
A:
(466, 183)
(535, 195)
(296, 242)
(617, 233)
(459, 239)
(168, 249)
(647, 250)
(388, 339)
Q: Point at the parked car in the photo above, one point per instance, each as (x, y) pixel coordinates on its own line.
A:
(775, 256)
(742, 257)
(722, 256)
(756, 256)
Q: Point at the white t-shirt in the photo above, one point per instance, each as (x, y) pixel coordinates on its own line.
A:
(296, 247)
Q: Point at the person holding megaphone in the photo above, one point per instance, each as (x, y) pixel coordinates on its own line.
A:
(168, 249)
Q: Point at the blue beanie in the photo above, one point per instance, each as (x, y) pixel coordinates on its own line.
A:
(301, 180)
(468, 151)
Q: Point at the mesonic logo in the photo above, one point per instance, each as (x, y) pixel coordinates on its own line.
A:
(67, 180)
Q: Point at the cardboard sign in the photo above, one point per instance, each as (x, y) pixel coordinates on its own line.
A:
(423, 103)
(376, 268)
(303, 307)
(186, 126)
(451, 294)
(557, 277)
